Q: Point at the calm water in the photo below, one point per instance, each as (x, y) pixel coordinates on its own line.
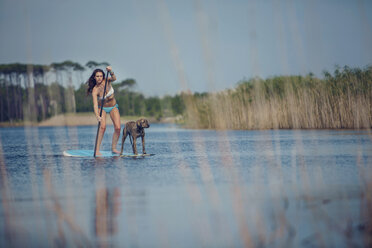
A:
(283, 188)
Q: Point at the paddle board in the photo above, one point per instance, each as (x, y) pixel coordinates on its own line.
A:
(90, 153)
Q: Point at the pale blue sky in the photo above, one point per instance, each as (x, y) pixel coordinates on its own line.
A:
(199, 45)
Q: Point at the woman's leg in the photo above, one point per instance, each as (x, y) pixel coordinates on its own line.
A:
(101, 132)
(115, 117)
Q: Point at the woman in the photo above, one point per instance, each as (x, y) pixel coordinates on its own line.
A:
(96, 85)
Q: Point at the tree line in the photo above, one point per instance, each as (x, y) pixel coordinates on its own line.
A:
(33, 92)
(342, 99)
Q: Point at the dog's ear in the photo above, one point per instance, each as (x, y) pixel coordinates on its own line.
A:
(138, 123)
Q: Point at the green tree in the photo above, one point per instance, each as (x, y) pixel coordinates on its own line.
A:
(153, 107)
(178, 105)
(84, 102)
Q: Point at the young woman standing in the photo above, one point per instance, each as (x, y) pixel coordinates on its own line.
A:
(96, 85)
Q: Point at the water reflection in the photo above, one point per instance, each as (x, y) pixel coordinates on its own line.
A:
(107, 209)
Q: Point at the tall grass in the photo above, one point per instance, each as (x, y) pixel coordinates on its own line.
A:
(341, 100)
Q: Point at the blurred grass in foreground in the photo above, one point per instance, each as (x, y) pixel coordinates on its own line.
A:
(341, 100)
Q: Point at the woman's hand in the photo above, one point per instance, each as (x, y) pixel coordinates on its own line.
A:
(113, 77)
(99, 118)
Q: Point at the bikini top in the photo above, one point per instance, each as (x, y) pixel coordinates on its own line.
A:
(111, 92)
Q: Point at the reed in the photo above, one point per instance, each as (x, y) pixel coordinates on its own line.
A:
(342, 100)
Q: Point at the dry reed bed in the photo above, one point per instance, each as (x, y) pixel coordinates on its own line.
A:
(288, 102)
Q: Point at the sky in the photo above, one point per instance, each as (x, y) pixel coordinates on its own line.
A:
(169, 46)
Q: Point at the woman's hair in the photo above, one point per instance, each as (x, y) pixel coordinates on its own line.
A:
(92, 81)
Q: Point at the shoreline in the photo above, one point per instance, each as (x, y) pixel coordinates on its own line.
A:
(80, 119)
(88, 119)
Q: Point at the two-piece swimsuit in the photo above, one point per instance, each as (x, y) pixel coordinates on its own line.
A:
(109, 109)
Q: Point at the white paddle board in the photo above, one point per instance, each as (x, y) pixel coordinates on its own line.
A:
(90, 153)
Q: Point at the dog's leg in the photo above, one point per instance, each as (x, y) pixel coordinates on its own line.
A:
(125, 134)
(143, 144)
(134, 146)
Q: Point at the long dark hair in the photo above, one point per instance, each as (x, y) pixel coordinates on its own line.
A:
(92, 81)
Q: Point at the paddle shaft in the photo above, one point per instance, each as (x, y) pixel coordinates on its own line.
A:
(100, 113)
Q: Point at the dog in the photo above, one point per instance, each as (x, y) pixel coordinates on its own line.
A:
(135, 129)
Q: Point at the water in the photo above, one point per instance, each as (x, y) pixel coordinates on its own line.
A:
(203, 188)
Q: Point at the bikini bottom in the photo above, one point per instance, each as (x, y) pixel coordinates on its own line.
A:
(109, 109)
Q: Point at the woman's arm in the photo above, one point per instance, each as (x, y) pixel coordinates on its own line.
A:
(113, 77)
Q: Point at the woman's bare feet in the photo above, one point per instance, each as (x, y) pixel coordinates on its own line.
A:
(98, 153)
(115, 151)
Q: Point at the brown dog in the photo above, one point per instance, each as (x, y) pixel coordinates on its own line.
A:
(135, 130)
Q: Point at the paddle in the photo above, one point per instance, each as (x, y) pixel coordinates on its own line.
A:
(100, 113)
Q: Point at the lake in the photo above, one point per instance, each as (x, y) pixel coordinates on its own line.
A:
(203, 188)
